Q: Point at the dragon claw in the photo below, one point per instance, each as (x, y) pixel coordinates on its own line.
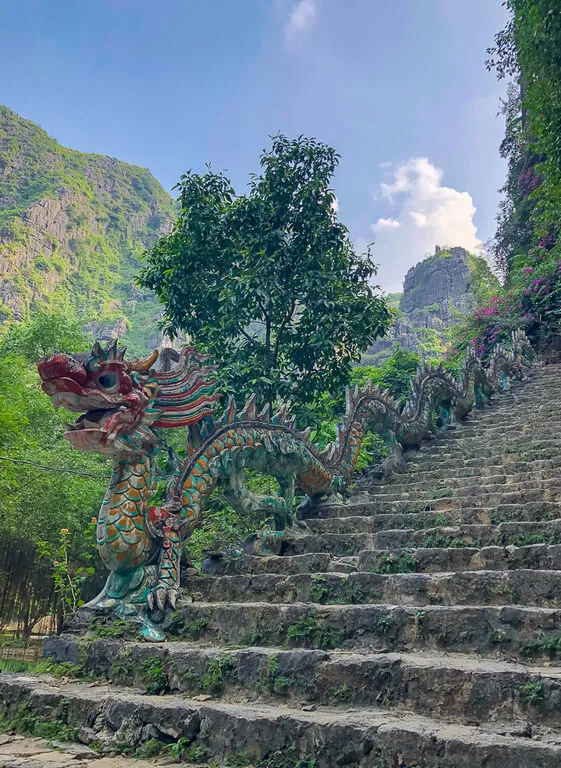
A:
(162, 597)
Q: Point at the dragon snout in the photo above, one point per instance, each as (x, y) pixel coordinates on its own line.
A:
(59, 366)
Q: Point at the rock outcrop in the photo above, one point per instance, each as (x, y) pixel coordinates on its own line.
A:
(436, 292)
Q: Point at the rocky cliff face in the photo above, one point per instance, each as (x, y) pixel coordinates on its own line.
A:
(435, 293)
(72, 229)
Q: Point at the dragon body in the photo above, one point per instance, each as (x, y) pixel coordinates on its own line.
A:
(124, 406)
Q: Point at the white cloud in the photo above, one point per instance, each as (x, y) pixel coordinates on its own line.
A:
(386, 224)
(426, 214)
(301, 20)
(419, 218)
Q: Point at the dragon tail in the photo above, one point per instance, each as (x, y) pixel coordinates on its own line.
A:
(436, 398)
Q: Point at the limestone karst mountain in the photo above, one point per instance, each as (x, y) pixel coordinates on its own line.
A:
(436, 292)
(72, 228)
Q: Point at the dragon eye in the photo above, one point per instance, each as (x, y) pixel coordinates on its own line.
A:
(108, 380)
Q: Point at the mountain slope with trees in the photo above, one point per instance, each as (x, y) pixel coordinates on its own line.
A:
(72, 229)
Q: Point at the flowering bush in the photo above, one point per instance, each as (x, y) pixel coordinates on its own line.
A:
(531, 302)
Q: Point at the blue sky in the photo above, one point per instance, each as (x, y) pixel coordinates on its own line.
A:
(398, 88)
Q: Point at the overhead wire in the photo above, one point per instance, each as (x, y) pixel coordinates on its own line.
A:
(55, 469)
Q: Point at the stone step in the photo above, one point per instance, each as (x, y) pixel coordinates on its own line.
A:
(499, 419)
(450, 687)
(509, 428)
(541, 557)
(473, 469)
(328, 737)
(408, 485)
(491, 445)
(477, 587)
(488, 630)
(510, 463)
(368, 516)
(253, 564)
(497, 441)
(526, 452)
(470, 486)
(517, 533)
(508, 435)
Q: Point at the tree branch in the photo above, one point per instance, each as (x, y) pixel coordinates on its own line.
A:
(286, 319)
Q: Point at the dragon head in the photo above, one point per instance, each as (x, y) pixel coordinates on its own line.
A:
(120, 402)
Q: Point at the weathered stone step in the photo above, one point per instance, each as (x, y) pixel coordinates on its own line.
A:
(520, 587)
(473, 469)
(407, 485)
(410, 478)
(367, 519)
(488, 630)
(529, 396)
(339, 545)
(477, 535)
(542, 557)
(499, 440)
(503, 534)
(509, 463)
(530, 451)
(372, 515)
(510, 429)
(507, 436)
(368, 738)
(500, 418)
(451, 687)
(254, 564)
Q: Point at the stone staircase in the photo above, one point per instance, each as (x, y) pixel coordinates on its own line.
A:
(418, 625)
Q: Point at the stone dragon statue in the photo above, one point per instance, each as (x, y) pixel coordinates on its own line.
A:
(123, 405)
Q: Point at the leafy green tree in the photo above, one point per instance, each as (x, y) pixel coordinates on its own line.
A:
(394, 374)
(268, 282)
(527, 51)
(45, 485)
(44, 334)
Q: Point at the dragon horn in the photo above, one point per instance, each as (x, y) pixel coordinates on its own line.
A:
(143, 366)
(97, 350)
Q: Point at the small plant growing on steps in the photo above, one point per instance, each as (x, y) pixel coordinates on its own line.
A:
(547, 645)
(342, 693)
(396, 562)
(184, 752)
(320, 589)
(497, 636)
(218, 670)
(192, 629)
(119, 629)
(149, 749)
(385, 624)
(154, 677)
(439, 541)
(309, 631)
(274, 681)
(532, 692)
(122, 669)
